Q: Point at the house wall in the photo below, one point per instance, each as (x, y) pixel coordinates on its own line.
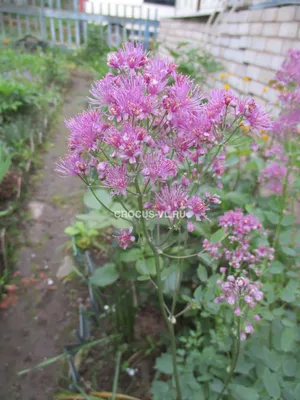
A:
(250, 45)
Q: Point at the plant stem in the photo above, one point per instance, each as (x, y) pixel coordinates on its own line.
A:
(106, 208)
(283, 204)
(116, 377)
(236, 351)
(160, 292)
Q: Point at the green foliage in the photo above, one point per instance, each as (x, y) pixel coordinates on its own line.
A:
(5, 162)
(194, 61)
(94, 53)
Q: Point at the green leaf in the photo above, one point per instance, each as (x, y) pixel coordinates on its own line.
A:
(288, 293)
(150, 262)
(240, 392)
(289, 367)
(218, 236)
(233, 159)
(198, 294)
(202, 273)
(70, 230)
(289, 252)
(276, 267)
(164, 363)
(271, 384)
(43, 364)
(285, 238)
(297, 391)
(288, 220)
(272, 217)
(271, 359)
(91, 202)
(236, 198)
(288, 339)
(141, 267)
(130, 255)
(143, 278)
(105, 275)
(170, 281)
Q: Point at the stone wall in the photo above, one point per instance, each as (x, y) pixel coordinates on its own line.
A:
(250, 45)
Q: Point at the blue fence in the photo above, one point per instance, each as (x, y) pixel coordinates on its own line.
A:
(70, 27)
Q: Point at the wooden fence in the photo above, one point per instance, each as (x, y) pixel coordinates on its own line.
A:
(71, 27)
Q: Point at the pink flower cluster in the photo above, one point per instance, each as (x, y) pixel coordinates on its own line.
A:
(242, 295)
(150, 126)
(288, 77)
(239, 252)
(125, 238)
(274, 175)
(149, 114)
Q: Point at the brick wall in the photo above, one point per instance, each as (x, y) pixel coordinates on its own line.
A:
(249, 44)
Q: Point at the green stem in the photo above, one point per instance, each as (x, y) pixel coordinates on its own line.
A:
(283, 204)
(116, 377)
(236, 351)
(106, 208)
(159, 284)
(181, 257)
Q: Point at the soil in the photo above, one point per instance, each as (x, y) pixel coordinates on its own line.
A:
(37, 324)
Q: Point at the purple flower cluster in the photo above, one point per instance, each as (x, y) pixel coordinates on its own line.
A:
(125, 238)
(149, 114)
(149, 124)
(288, 78)
(239, 252)
(273, 174)
(242, 295)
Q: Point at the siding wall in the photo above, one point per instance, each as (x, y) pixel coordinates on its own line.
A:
(250, 44)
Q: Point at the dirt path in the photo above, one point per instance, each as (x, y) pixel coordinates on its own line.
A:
(39, 324)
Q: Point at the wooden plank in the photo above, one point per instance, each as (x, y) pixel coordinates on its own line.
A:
(27, 24)
(124, 32)
(140, 25)
(60, 23)
(52, 26)
(85, 31)
(69, 31)
(3, 32)
(41, 11)
(109, 41)
(118, 40)
(156, 19)
(19, 26)
(11, 26)
(132, 26)
(77, 27)
(35, 20)
(146, 32)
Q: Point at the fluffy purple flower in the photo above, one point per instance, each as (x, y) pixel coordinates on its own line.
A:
(274, 174)
(289, 71)
(156, 74)
(72, 164)
(116, 179)
(85, 130)
(130, 56)
(254, 116)
(218, 165)
(240, 291)
(239, 224)
(170, 200)
(218, 103)
(125, 238)
(183, 100)
(197, 208)
(157, 167)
